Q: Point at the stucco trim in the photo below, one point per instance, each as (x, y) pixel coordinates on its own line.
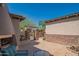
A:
(63, 19)
(18, 17)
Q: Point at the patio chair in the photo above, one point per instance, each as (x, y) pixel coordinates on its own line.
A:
(11, 51)
(40, 53)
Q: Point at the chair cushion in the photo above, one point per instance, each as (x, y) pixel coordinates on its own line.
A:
(5, 52)
(12, 49)
(40, 53)
(9, 51)
(0, 53)
(22, 53)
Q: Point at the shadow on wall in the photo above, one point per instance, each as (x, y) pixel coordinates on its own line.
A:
(33, 51)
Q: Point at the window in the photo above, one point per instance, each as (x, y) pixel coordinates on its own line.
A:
(5, 41)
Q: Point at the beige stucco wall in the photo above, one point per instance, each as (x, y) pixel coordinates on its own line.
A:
(6, 26)
(64, 28)
(16, 29)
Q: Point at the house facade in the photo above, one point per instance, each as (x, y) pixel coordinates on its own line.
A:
(16, 19)
(64, 30)
(6, 26)
(9, 25)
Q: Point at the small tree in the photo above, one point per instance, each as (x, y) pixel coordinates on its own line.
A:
(42, 25)
(25, 23)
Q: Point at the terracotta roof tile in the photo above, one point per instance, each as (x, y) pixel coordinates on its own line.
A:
(14, 16)
(61, 18)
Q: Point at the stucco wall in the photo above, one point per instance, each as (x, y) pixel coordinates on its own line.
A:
(16, 29)
(63, 28)
(64, 32)
(6, 26)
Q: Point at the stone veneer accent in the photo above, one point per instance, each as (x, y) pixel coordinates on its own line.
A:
(63, 39)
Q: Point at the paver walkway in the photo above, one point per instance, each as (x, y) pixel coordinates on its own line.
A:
(53, 48)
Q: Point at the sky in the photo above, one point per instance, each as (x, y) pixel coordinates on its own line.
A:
(42, 11)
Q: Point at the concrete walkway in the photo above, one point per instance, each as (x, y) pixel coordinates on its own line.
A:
(53, 48)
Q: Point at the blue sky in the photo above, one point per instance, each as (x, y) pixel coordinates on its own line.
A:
(45, 11)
